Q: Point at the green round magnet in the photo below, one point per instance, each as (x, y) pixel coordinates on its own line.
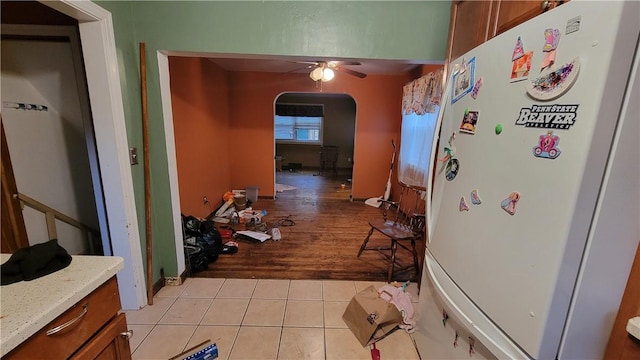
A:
(498, 129)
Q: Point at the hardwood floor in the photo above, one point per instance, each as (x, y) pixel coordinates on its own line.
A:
(323, 242)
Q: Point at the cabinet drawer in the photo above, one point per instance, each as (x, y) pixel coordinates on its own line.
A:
(86, 317)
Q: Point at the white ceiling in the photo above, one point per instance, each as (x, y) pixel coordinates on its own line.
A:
(284, 64)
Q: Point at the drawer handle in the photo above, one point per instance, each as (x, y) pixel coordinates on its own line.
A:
(127, 334)
(59, 328)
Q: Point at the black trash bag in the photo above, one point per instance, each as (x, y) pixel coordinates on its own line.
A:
(211, 242)
(192, 226)
(196, 258)
(203, 234)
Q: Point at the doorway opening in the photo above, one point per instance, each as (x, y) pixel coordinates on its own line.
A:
(321, 164)
(62, 171)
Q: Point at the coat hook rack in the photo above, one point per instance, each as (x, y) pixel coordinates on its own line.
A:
(23, 106)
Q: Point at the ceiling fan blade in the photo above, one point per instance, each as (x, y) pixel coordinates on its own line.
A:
(351, 72)
(314, 63)
(300, 68)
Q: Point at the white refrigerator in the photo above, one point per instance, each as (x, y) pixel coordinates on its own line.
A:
(534, 214)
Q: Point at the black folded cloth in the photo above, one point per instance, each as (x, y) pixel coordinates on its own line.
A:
(34, 261)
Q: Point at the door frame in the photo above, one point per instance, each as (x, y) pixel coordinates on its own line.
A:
(69, 32)
(103, 82)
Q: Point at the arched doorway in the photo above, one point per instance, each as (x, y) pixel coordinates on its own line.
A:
(302, 164)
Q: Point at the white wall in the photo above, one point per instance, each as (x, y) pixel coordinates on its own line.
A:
(48, 148)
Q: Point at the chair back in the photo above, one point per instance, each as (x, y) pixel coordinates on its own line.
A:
(409, 210)
(328, 153)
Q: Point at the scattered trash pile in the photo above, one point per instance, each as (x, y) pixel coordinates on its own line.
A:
(206, 239)
(237, 211)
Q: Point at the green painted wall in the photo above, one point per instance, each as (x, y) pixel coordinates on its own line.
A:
(415, 30)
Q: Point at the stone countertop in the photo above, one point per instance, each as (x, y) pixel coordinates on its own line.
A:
(28, 306)
(633, 327)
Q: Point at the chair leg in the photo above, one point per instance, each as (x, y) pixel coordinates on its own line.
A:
(364, 243)
(392, 262)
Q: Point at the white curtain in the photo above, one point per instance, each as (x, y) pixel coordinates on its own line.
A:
(420, 105)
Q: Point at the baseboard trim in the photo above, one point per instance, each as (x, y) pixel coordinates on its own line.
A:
(170, 281)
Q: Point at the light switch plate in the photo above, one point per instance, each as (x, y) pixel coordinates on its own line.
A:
(133, 156)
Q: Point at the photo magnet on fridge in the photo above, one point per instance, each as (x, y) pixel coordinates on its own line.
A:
(463, 80)
(452, 168)
(469, 121)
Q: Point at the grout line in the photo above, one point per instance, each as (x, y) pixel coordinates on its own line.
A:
(145, 338)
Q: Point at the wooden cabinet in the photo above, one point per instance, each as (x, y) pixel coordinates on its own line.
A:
(111, 343)
(469, 26)
(508, 14)
(91, 329)
(474, 22)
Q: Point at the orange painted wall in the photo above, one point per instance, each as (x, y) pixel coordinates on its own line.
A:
(378, 118)
(225, 119)
(200, 101)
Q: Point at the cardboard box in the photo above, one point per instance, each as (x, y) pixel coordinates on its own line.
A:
(369, 317)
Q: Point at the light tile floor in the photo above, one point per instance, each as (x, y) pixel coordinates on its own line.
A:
(258, 319)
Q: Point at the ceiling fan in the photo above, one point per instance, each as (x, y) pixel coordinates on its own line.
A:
(324, 70)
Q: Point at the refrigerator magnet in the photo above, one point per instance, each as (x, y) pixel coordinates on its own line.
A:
(573, 25)
(463, 80)
(548, 60)
(463, 205)
(554, 83)
(469, 121)
(520, 67)
(452, 168)
(518, 50)
(547, 147)
(475, 198)
(450, 150)
(476, 88)
(551, 39)
(498, 129)
(509, 204)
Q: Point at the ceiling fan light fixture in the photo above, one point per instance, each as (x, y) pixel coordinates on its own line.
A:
(327, 74)
(316, 74)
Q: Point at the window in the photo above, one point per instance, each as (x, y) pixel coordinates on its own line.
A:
(298, 124)
(420, 108)
(415, 147)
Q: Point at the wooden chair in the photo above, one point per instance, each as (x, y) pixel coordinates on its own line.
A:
(328, 158)
(403, 222)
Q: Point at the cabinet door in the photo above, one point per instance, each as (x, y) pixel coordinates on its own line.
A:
(512, 13)
(469, 26)
(112, 343)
